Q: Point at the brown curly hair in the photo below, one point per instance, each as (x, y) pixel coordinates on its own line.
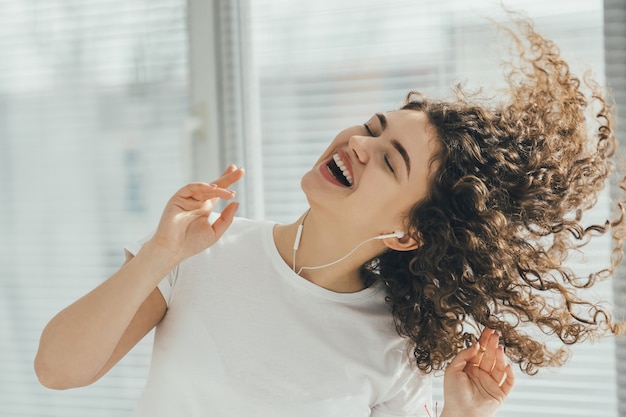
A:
(509, 189)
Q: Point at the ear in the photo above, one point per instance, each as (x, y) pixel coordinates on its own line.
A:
(404, 243)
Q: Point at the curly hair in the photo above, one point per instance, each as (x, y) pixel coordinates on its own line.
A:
(509, 188)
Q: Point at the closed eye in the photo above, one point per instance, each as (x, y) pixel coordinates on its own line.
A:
(386, 159)
(367, 128)
(388, 163)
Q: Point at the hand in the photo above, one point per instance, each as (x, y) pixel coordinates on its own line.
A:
(478, 379)
(184, 229)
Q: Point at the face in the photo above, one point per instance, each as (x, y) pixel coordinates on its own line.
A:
(371, 175)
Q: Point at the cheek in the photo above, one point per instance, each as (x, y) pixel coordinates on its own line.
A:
(387, 199)
(378, 194)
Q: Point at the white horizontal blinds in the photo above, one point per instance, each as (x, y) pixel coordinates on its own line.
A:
(239, 133)
(92, 95)
(327, 65)
(615, 53)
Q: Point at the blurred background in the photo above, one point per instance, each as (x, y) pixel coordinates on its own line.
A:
(107, 107)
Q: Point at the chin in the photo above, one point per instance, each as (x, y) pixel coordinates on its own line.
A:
(313, 188)
(307, 183)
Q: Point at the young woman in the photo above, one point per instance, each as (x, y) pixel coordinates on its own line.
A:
(426, 225)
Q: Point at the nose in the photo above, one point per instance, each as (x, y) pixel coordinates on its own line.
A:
(359, 146)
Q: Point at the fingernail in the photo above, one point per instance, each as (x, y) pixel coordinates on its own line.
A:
(213, 185)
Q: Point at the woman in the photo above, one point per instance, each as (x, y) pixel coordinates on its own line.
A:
(425, 224)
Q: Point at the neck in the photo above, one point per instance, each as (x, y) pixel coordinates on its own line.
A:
(322, 243)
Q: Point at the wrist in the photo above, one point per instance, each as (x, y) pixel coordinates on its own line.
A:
(158, 259)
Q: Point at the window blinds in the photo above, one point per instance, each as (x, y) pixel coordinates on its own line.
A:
(326, 65)
(92, 98)
(615, 50)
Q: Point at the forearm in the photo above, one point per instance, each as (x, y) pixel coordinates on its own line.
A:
(80, 339)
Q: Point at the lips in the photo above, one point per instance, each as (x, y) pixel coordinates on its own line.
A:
(339, 169)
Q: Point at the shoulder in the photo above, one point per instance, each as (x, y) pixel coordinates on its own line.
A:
(244, 232)
(242, 225)
(243, 238)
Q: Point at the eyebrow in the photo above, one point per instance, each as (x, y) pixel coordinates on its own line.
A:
(401, 149)
(383, 120)
(404, 154)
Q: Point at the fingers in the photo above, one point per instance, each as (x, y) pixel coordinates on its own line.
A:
(503, 373)
(481, 347)
(488, 350)
(231, 175)
(201, 191)
(463, 359)
(217, 189)
(493, 370)
(226, 218)
(485, 335)
(474, 355)
(230, 168)
(509, 381)
(498, 372)
(199, 198)
(210, 193)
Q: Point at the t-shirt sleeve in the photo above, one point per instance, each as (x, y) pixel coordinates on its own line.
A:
(410, 396)
(167, 283)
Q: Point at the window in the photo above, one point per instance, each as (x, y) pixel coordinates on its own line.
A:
(92, 102)
(92, 99)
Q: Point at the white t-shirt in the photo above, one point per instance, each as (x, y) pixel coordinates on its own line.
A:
(245, 336)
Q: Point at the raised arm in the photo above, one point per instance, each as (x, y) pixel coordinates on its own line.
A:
(83, 341)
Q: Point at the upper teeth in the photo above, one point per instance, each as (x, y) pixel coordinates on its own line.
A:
(342, 166)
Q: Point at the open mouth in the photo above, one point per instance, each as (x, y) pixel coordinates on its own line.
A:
(339, 171)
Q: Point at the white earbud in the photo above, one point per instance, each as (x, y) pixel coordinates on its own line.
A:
(398, 234)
